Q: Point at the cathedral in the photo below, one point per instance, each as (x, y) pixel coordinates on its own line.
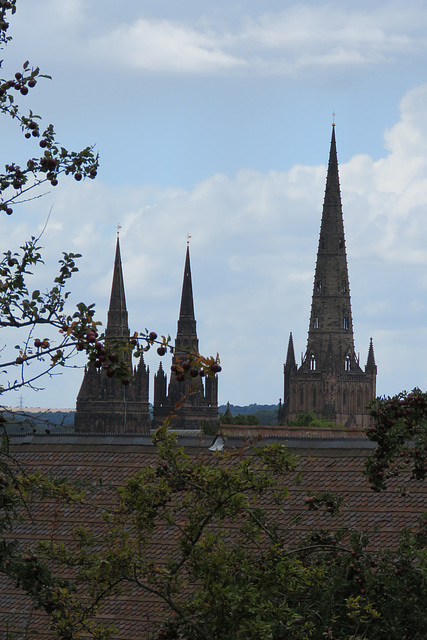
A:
(105, 406)
(330, 381)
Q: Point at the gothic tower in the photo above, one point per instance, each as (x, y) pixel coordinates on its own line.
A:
(104, 405)
(199, 399)
(330, 381)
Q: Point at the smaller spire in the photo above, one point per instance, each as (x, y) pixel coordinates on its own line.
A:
(371, 367)
(290, 356)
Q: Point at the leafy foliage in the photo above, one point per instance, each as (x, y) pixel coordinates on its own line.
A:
(309, 419)
(52, 158)
(400, 431)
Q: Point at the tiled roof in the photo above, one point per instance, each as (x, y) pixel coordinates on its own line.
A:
(334, 462)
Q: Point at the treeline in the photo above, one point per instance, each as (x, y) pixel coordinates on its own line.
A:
(265, 413)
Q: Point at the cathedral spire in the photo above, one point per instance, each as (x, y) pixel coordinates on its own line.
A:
(289, 368)
(194, 400)
(290, 356)
(371, 367)
(117, 321)
(330, 337)
(330, 381)
(104, 405)
(187, 335)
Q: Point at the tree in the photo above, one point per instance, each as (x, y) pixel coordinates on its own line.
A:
(28, 310)
(52, 159)
(35, 314)
(400, 431)
(309, 419)
(240, 418)
(20, 307)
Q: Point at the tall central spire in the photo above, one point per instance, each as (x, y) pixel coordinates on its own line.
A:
(330, 381)
(117, 321)
(330, 335)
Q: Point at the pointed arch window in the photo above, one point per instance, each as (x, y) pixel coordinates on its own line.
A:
(312, 363)
(344, 398)
(347, 363)
(346, 322)
(341, 243)
(316, 322)
(318, 286)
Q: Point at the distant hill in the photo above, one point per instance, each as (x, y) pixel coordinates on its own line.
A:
(266, 413)
(62, 421)
(37, 420)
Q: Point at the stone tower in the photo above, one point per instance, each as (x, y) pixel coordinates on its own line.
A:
(104, 405)
(330, 381)
(199, 398)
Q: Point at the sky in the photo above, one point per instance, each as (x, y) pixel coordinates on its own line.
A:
(214, 120)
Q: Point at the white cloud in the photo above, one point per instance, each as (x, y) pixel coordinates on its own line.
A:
(160, 45)
(299, 41)
(388, 197)
(299, 38)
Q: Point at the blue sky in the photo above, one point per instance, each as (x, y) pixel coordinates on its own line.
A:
(215, 119)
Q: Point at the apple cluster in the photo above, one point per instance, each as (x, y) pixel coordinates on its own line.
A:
(193, 366)
(5, 5)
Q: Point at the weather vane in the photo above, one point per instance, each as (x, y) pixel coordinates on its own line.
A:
(188, 239)
(118, 229)
(333, 118)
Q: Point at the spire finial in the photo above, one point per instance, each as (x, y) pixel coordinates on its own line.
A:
(188, 239)
(333, 118)
(119, 226)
